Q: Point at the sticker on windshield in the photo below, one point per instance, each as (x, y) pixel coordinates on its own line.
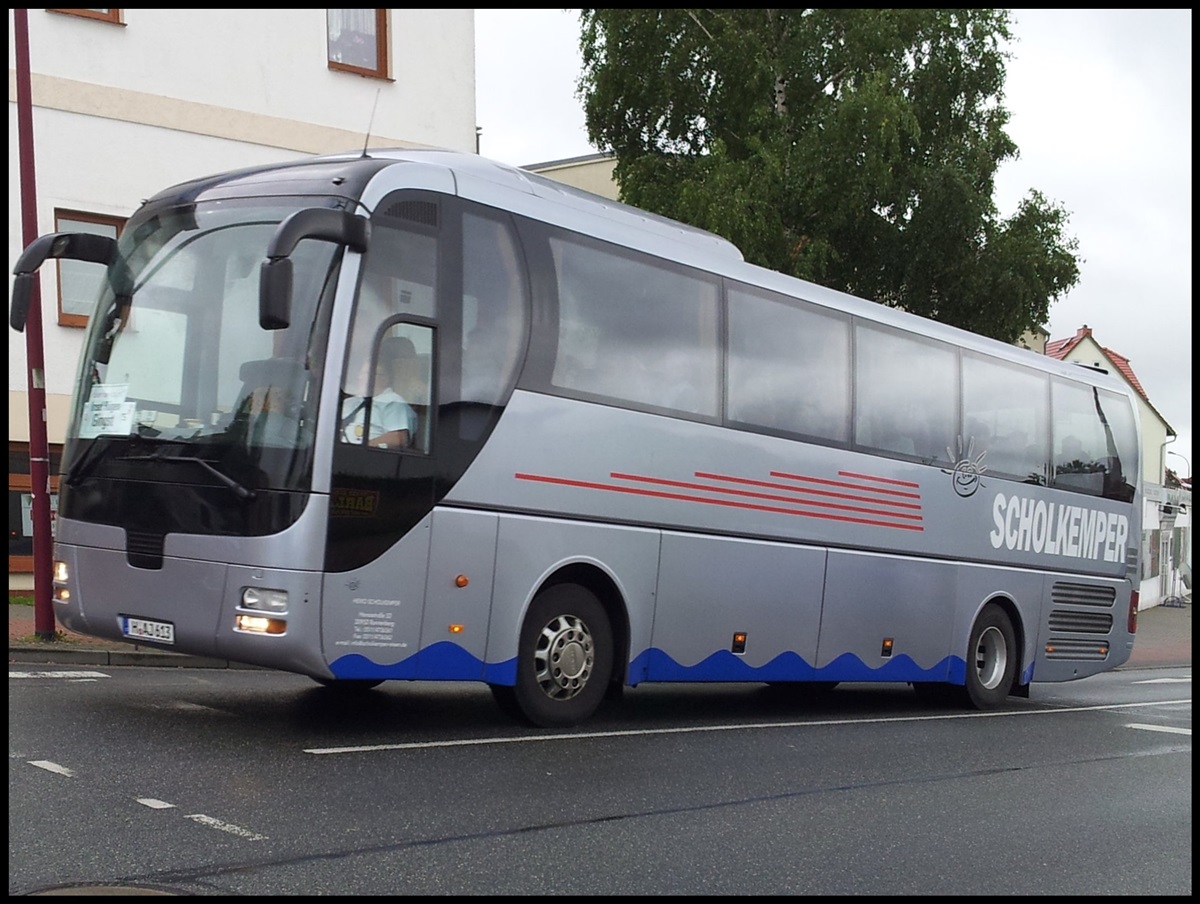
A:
(106, 411)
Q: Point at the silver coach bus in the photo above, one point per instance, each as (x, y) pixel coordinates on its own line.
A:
(416, 415)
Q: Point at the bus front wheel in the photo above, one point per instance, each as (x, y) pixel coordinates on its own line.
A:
(564, 658)
(991, 658)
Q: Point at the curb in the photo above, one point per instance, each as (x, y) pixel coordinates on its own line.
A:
(66, 656)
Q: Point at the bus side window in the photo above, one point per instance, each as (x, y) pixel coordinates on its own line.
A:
(906, 390)
(493, 310)
(646, 331)
(412, 379)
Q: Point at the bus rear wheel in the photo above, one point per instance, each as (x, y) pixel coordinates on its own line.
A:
(564, 659)
(991, 658)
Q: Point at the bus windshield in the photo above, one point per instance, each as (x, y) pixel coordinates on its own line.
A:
(176, 365)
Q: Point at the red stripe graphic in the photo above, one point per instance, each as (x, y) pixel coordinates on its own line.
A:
(831, 505)
(807, 511)
(891, 480)
(853, 486)
(746, 481)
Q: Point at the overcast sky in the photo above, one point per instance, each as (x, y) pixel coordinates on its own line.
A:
(1101, 104)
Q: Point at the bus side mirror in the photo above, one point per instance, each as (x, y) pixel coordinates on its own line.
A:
(78, 246)
(275, 294)
(275, 276)
(22, 295)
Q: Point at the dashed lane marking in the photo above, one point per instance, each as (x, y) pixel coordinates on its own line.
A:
(52, 767)
(154, 804)
(1167, 729)
(226, 827)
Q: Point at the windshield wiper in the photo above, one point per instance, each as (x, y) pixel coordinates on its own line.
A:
(84, 464)
(240, 491)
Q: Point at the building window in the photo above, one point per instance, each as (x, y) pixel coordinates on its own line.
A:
(20, 505)
(79, 282)
(358, 41)
(101, 15)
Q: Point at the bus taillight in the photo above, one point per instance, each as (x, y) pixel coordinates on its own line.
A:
(1133, 611)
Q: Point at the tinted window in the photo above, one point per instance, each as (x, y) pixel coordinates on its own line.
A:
(493, 310)
(789, 366)
(1005, 417)
(636, 330)
(906, 395)
(1095, 441)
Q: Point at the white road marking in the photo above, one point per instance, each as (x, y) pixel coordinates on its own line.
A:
(1187, 680)
(1141, 726)
(187, 707)
(226, 827)
(700, 729)
(72, 675)
(155, 804)
(52, 767)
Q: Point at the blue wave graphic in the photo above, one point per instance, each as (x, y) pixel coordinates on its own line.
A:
(656, 665)
(446, 661)
(443, 661)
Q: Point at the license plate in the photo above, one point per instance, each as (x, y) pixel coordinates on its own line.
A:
(145, 629)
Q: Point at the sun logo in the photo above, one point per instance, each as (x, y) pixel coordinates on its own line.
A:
(968, 467)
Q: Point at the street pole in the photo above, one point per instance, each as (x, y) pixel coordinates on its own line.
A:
(39, 449)
(1185, 461)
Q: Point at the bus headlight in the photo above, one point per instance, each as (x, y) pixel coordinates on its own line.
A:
(60, 592)
(263, 600)
(259, 624)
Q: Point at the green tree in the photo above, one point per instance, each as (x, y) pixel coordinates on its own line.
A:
(854, 148)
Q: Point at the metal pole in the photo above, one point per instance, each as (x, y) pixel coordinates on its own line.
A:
(39, 449)
(1185, 460)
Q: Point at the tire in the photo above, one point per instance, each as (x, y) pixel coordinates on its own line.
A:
(992, 659)
(564, 659)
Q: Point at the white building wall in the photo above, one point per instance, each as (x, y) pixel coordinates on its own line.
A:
(1154, 445)
(272, 62)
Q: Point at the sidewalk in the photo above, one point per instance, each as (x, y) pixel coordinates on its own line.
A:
(1164, 639)
(69, 648)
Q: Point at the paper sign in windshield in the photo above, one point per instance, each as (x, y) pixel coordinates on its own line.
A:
(107, 412)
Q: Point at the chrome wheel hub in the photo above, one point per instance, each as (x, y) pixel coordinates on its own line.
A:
(991, 658)
(564, 657)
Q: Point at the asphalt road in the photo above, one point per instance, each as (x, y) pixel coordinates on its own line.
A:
(248, 782)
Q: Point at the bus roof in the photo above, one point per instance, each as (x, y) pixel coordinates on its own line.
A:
(500, 184)
(576, 200)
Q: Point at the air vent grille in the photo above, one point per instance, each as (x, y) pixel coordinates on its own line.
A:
(1077, 650)
(1072, 622)
(144, 549)
(1094, 595)
(423, 212)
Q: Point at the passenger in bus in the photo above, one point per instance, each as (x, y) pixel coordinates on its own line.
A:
(383, 420)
